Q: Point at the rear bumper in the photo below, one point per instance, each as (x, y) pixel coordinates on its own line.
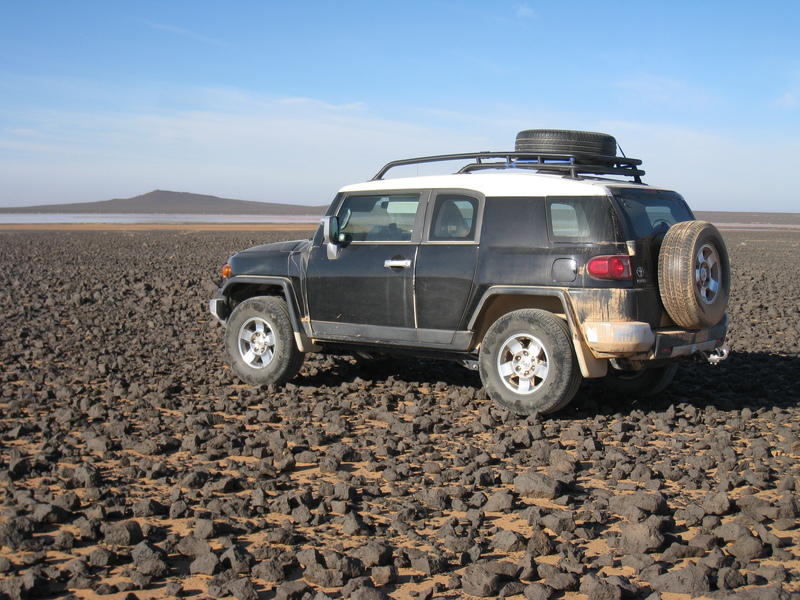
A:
(635, 339)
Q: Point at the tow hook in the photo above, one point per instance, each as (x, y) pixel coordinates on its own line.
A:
(717, 355)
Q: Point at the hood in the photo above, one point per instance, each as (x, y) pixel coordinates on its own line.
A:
(267, 258)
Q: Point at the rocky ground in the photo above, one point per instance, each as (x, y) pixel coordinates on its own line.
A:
(132, 465)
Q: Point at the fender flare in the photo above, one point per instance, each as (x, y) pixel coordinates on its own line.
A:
(590, 365)
(304, 343)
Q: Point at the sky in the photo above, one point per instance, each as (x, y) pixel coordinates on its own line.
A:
(289, 101)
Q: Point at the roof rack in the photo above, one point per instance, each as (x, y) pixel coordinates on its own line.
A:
(571, 165)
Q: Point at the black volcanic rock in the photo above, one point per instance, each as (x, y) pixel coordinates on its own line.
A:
(124, 439)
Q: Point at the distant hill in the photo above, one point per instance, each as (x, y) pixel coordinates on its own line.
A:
(171, 203)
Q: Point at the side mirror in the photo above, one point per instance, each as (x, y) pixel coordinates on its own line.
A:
(330, 230)
(330, 236)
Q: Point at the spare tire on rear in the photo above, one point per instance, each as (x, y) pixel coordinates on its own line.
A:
(694, 274)
(564, 141)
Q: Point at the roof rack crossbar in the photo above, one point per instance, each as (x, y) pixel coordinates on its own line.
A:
(570, 164)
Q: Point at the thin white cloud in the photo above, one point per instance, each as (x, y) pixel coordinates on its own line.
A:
(655, 89)
(524, 11)
(186, 33)
(788, 100)
(301, 150)
(324, 105)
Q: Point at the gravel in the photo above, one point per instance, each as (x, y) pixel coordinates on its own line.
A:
(133, 465)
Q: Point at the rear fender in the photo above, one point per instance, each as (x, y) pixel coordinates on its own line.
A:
(500, 300)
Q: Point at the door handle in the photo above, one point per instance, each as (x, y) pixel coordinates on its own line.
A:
(397, 263)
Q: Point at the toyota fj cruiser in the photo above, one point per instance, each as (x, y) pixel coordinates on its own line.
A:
(537, 267)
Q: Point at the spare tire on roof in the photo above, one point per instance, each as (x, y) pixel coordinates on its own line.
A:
(564, 141)
(694, 274)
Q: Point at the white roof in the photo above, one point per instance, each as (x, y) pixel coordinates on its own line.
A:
(504, 183)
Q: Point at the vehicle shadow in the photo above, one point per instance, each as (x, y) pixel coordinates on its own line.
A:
(753, 380)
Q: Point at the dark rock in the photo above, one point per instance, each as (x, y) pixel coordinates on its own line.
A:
(270, 570)
(373, 553)
(192, 547)
(508, 541)
(429, 564)
(292, 590)
(324, 577)
(597, 589)
(242, 589)
(205, 564)
(746, 548)
(558, 579)
(125, 533)
(694, 580)
(383, 575)
(532, 484)
(538, 591)
(477, 581)
(730, 579)
(640, 538)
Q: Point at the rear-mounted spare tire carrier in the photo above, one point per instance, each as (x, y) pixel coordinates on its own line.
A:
(694, 274)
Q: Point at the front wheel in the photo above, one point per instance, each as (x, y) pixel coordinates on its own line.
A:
(527, 363)
(638, 384)
(259, 341)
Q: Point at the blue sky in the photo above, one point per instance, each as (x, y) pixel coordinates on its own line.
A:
(288, 101)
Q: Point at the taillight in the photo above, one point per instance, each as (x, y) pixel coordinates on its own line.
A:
(610, 267)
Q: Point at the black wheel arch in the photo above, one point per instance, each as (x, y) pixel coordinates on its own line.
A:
(500, 300)
(240, 288)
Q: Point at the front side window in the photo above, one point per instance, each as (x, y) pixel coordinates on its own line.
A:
(378, 218)
(454, 218)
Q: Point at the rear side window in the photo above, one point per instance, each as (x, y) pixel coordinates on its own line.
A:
(579, 218)
(652, 214)
(454, 218)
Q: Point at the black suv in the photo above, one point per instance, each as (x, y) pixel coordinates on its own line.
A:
(536, 267)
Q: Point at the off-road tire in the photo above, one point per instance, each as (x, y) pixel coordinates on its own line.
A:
(562, 141)
(259, 342)
(638, 384)
(527, 363)
(694, 274)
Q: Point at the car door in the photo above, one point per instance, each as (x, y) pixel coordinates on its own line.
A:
(366, 291)
(445, 266)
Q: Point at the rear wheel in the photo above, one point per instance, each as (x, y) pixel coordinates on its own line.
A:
(259, 341)
(638, 384)
(694, 274)
(527, 363)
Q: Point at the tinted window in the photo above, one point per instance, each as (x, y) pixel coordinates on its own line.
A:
(380, 218)
(649, 215)
(454, 218)
(579, 219)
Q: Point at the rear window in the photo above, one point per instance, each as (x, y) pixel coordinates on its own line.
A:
(579, 219)
(654, 213)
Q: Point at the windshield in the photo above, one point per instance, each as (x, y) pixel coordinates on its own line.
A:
(651, 212)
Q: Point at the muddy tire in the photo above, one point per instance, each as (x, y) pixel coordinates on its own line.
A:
(638, 384)
(527, 363)
(694, 274)
(259, 342)
(560, 141)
